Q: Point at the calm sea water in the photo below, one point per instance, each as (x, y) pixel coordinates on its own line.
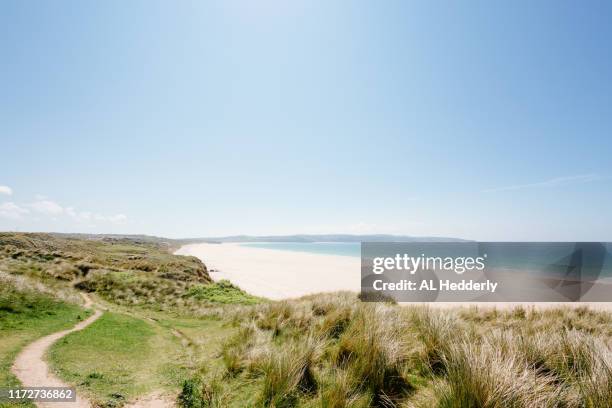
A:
(328, 248)
(526, 256)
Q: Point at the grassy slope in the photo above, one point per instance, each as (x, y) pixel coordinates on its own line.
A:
(223, 292)
(134, 349)
(320, 351)
(122, 271)
(117, 358)
(26, 316)
(121, 356)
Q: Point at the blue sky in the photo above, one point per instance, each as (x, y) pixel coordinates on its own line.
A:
(482, 120)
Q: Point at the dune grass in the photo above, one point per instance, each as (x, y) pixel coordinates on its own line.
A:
(123, 271)
(129, 272)
(171, 328)
(334, 351)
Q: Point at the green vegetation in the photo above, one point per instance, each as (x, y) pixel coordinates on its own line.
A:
(171, 329)
(335, 351)
(223, 292)
(120, 357)
(115, 359)
(123, 271)
(130, 272)
(26, 315)
(140, 346)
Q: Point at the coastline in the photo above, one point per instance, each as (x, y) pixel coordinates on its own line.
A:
(277, 274)
(283, 274)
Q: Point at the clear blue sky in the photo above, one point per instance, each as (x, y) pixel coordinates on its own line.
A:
(483, 120)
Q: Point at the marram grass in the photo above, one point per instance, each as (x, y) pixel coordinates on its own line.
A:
(334, 351)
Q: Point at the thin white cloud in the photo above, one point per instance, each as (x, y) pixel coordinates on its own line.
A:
(56, 212)
(80, 216)
(6, 190)
(12, 211)
(113, 219)
(47, 207)
(555, 182)
(88, 217)
(117, 219)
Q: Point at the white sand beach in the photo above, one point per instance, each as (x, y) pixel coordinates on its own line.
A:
(281, 274)
(277, 274)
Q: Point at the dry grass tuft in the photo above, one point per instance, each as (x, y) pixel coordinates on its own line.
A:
(335, 351)
(288, 372)
(482, 375)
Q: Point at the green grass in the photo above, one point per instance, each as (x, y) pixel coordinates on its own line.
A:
(120, 357)
(151, 342)
(123, 271)
(223, 292)
(114, 359)
(213, 345)
(24, 317)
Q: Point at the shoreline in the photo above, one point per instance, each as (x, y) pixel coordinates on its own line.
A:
(279, 274)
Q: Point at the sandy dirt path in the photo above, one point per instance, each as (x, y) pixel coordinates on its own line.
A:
(153, 400)
(31, 368)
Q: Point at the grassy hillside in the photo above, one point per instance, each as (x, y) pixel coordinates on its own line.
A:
(137, 346)
(69, 258)
(169, 328)
(125, 271)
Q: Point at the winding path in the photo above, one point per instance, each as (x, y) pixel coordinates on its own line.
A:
(31, 368)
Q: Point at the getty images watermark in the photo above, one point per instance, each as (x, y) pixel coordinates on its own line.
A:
(486, 271)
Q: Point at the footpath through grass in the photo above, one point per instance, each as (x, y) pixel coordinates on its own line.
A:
(114, 359)
(24, 317)
(121, 357)
(150, 341)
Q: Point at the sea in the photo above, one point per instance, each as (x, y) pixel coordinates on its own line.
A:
(520, 256)
(352, 249)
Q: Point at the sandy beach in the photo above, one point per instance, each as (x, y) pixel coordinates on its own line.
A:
(277, 274)
(280, 274)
